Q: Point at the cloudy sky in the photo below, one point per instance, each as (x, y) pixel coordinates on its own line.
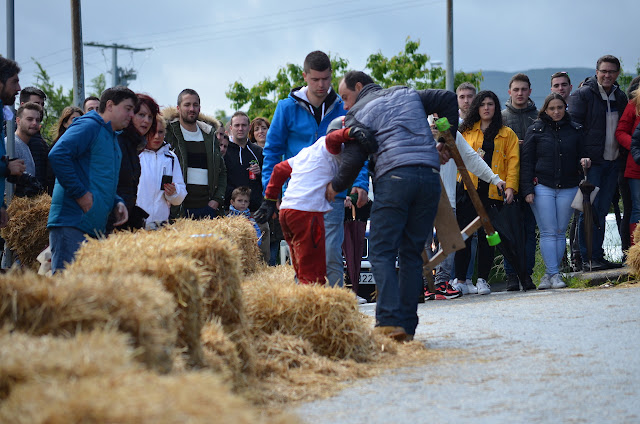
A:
(207, 45)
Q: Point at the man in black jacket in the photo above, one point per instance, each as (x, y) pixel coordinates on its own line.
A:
(598, 105)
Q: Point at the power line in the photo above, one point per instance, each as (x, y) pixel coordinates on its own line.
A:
(120, 76)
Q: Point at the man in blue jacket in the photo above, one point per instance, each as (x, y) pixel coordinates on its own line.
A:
(300, 120)
(86, 162)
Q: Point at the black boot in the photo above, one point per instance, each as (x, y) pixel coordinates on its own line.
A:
(513, 284)
(528, 284)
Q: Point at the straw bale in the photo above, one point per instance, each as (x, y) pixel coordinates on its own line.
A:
(326, 317)
(236, 228)
(133, 304)
(25, 358)
(150, 254)
(221, 354)
(633, 259)
(138, 398)
(26, 233)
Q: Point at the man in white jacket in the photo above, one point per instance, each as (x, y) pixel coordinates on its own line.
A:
(448, 174)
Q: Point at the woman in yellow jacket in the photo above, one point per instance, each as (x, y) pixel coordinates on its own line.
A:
(498, 146)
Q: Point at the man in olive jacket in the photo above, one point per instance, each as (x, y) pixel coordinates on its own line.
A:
(198, 151)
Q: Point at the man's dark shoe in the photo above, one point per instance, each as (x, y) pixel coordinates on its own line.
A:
(528, 284)
(513, 284)
(596, 265)
(610, 265)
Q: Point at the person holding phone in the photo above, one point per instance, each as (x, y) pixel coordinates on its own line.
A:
(161, 182)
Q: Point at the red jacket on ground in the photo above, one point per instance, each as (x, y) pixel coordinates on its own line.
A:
(627, 123)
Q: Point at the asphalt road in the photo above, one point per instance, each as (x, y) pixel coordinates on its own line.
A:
(555, 356)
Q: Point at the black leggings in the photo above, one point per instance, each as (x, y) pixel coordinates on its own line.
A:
(465, 213)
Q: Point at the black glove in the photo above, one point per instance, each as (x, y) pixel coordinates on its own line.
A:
(27, 184)
(265, 212)
(365, 138)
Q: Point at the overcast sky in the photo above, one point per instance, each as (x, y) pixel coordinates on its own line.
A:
(207, 45)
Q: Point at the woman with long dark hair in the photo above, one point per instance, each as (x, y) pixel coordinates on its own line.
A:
(553, 154)
(132, 140)
(258, 131)
(498, 146)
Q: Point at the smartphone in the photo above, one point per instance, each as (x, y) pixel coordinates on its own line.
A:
(166, 179)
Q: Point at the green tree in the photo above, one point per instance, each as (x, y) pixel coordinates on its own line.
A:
(263, 97)
(624, 79)
(57, 99)
(98, 85)
(414, 69)
(409, 68)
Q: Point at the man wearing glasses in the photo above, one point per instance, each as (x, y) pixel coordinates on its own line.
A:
(598, 105)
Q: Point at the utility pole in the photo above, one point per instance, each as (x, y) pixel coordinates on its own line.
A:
(126, 74)
(78, 62)
(450, 73)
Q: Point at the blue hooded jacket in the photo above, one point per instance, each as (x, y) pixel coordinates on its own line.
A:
(86, 158)
(294, 127)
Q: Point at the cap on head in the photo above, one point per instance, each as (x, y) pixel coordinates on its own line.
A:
(336, 124)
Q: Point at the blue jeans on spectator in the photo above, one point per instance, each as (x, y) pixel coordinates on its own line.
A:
(472, 260)
(552, 209)
(334, 236)
(529, 221)
(64, 242)
(405, 205)
(634, 186)
(605, 176)
(201, 213)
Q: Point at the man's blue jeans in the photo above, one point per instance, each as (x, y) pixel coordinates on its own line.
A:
(334, 236)
(605, 176)
(552, 209)
(64, 242)
(405, 205)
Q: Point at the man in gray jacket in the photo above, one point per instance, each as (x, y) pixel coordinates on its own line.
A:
(406, 186)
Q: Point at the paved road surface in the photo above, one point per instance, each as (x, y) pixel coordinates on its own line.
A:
(556, 356)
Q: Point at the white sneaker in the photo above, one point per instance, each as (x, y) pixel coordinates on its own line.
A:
(556, 282)
(482, 286)
(361, 300)
(472, 289)
(545, 282)
(461, 287)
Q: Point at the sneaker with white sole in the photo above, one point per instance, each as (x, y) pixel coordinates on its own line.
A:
(461, 287)
(545, 282)
(557, 282)
(482, 286)
(361, 300)
(472, 289)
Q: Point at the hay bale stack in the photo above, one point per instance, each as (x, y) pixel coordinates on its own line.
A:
(221, 354)
(633, 256)
(140, 398)
(27, 358)
(26, 233)
(215, 244)
(150, 254)
(236, 228)
(326, 317)
(63, 306)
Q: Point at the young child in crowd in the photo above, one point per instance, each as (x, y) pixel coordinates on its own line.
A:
(304, 203)
(240, 198)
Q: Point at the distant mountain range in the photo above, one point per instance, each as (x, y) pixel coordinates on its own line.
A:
(498, 82)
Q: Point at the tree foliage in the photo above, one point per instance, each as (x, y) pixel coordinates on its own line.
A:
(414, 69)
(624, 79)
(58, 98)
(409, 68)
(263, 97)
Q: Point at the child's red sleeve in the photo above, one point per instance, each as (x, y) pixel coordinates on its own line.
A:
(281, 173)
